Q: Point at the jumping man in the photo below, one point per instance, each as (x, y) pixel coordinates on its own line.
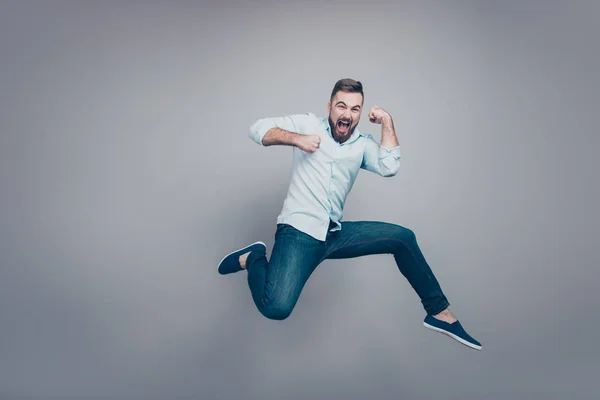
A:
(327, 156)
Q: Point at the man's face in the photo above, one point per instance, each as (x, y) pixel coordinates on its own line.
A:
(344, 113)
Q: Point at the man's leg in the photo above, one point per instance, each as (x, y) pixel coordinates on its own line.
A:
(360, 238)
(276, 284)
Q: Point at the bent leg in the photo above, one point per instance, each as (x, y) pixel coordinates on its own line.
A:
(276, 284)
(360, 238)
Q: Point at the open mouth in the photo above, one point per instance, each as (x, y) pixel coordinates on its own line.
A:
(343, 126)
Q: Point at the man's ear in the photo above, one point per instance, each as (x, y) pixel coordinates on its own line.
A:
(329, 107)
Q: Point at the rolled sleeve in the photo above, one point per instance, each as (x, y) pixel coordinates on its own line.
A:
(379, 159)
(297, 123)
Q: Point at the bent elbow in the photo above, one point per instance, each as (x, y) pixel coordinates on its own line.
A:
(390, 170)
(256, 132)
(252, 130)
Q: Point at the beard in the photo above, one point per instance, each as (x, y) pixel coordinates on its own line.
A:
(338, 136)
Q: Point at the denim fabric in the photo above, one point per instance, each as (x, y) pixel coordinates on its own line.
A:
(276, 284)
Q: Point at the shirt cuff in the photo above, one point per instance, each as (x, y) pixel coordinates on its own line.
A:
(259, 129)
(385, 152)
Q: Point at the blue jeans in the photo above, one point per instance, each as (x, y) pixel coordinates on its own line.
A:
(276, 284)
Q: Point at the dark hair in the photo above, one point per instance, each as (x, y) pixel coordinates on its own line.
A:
(348, 85)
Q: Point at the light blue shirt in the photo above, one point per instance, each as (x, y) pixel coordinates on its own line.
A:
(321, 180)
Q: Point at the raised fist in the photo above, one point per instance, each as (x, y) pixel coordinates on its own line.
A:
(377, 115)
(309, 143)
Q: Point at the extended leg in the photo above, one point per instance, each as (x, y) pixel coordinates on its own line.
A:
(360, 238)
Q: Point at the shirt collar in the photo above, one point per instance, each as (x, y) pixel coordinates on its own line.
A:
(355, 135)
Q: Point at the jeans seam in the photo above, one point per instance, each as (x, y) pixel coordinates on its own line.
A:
(396, 240)
(446, 304)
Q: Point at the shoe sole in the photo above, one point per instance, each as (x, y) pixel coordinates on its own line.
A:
(245, 247)
(453, 336)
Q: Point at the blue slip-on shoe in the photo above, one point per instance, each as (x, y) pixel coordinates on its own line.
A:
(454, 330)
(231, 262)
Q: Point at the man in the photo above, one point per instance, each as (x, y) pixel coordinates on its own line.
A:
(327, 156)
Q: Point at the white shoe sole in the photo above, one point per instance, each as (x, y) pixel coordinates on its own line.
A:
(453, 336)
(250, 245)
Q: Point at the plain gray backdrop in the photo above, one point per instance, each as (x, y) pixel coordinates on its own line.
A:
(126, 174)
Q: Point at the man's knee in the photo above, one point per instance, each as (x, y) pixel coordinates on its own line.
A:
(404, 234)
(278, 309)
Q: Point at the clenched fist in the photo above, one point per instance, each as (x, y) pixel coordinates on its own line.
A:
(378, 114)
(308, 143)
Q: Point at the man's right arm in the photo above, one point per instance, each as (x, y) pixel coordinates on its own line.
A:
(287, 130)
(278, 136)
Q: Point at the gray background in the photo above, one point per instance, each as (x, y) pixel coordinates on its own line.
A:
(126, 174)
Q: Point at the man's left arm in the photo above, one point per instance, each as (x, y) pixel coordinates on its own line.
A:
(382, 159)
